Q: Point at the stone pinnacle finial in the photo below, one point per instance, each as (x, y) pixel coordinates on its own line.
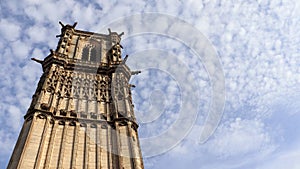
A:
(135, 72)
(37, 60)
(124, 60)
(121, 34)
(65, 26)
(61, 24)
(74, 25)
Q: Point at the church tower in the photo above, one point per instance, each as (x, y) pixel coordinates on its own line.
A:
(81, 115)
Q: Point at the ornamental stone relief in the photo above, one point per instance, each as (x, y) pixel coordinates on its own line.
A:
(78, 85)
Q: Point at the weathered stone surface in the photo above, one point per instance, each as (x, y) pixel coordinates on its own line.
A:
(80, 116)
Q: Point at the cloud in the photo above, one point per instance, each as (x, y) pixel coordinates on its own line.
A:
(38, 34)
(240, 137)
(9, 30)
(20, 49)
(288, 159)
(14, 118)
(7, 141)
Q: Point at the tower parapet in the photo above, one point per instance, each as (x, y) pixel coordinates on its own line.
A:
(82, 48)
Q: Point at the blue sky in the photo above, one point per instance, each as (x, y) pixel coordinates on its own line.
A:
(255, 49)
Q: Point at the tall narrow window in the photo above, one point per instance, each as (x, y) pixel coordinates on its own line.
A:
(99, 49)
(85, 54)
(93, 55)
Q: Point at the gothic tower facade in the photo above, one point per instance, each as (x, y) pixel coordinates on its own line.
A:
(81, 115)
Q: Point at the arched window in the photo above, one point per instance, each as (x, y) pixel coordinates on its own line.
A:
(85, 54)
(91, 52)
(93, 55)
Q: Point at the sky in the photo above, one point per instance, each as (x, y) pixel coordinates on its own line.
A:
(219, 87)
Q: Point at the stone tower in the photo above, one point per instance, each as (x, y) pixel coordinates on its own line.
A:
(81, 115)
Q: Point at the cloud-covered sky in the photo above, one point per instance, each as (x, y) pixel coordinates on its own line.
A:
(257, 43)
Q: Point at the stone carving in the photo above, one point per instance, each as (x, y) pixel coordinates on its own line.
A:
(116, 53)
(76, 86)
(118, 85)
(85, 88)
(52, 80)
(102, 89)
(41, 116)
(68, 86)
(45, 106)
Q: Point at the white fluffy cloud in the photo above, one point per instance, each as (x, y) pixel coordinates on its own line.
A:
(9, 30)
(240, 137)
